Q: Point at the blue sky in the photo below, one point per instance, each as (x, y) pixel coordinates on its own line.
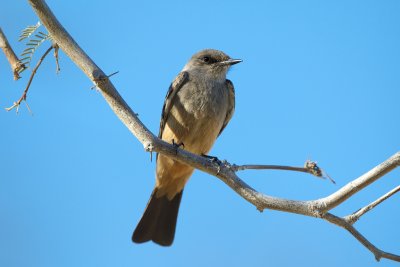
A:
(319, 80)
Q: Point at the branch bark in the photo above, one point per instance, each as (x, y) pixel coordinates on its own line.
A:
(360, 183)
(226, 172)
(12, 58)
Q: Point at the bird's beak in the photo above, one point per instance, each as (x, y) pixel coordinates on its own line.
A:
(230, 62)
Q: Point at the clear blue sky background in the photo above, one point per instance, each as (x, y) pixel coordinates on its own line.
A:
(319, 80)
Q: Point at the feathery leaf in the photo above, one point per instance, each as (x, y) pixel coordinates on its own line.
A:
(28, 31)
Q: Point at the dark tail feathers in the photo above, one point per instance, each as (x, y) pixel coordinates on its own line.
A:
(158, 221)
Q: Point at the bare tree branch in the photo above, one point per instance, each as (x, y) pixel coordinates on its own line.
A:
(269, 167)
(12, 58)
(224, 171)
(352, 218)
(358, 184)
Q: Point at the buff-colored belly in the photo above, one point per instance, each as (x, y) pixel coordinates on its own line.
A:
(198, 133)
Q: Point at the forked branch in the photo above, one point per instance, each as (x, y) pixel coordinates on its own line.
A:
(342, 222)
(226, 172)
(352, 218)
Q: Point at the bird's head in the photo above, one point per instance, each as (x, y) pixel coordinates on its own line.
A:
(211, 62)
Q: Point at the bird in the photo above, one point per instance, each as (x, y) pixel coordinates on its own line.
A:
(198, 106)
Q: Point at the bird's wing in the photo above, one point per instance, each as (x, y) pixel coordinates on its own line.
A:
(175, 86)
(231, 105)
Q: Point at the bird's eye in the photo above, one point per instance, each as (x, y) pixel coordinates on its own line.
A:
(206, 59)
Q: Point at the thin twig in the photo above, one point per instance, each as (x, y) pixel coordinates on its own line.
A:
(310, 167)
(24, 94)
(352, 218)
(361, 182)
(268, 167)
(102, 79)
(350, 228)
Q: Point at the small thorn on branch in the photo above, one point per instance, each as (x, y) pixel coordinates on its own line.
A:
(102, 78)
(354, 217)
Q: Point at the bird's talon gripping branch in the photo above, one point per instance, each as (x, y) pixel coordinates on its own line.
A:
(177, 145)
(232, 167)
(212, 158)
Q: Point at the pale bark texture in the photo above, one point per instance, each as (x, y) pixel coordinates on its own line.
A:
(12, 58)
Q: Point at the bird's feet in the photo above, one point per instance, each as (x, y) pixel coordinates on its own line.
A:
(214, 160)
(177, 145)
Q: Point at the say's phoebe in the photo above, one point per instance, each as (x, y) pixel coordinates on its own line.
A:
(198, 106)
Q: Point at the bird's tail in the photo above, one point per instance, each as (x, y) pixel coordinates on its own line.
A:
(159, 220)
